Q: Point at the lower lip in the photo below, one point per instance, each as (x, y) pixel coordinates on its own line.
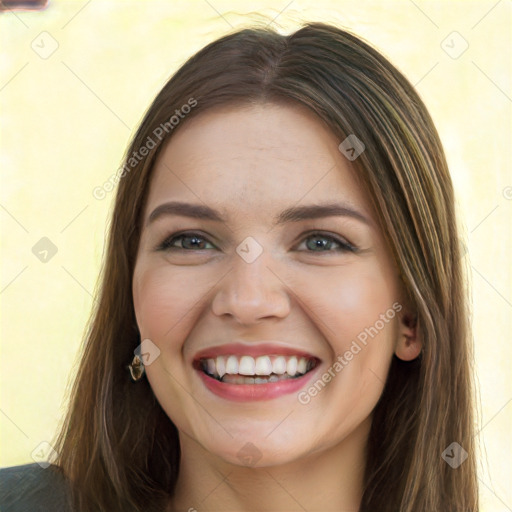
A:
(255, 392)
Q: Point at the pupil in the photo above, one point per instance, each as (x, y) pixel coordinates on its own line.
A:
(195, 242)
(320, 243)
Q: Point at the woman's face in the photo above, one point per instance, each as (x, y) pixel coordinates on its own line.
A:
(250, 277)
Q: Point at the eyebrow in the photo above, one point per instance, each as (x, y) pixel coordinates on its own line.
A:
(293, 214)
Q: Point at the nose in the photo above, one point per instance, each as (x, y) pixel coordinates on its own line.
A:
(250, 292)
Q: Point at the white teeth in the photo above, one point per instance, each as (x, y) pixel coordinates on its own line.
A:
(221, 366)
(302, 365)
(279, 365)
(210, 366)
(232, 365)
(263, 365)
(247, 366)
(291, 366)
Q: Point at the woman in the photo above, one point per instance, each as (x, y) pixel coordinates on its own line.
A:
(284, 259)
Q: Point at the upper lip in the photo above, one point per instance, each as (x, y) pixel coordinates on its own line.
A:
(254, 349)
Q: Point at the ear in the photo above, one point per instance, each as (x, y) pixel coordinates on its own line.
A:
(408, 345)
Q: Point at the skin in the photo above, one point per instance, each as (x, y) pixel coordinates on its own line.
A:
(251, 163)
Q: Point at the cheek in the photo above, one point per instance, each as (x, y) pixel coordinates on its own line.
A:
(162, 298)
(349, 301)
(354, 307)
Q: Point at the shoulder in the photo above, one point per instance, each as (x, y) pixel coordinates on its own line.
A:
(32, 488)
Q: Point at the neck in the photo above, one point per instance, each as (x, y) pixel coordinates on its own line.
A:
(331, 480)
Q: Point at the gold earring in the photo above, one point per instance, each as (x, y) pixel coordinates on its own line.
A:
(136, 368)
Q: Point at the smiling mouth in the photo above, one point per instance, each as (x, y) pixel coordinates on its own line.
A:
(234, 369)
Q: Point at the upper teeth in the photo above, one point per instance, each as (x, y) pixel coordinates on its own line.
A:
(262, 365)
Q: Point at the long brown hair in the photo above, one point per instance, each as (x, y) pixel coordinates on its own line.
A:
(118, 447)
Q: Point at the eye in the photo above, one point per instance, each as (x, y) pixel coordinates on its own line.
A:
(325, 243)
(185, 242)
(315, 242)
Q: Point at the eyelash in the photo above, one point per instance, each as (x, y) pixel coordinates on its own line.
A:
(166, 245)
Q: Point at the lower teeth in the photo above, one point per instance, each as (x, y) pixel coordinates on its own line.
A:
(240, 379)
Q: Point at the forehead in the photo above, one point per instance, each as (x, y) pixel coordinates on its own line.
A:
(255, 157)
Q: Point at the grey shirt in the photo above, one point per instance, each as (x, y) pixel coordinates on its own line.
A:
(31, 488)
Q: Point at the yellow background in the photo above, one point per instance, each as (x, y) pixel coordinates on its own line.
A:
(67, 118)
